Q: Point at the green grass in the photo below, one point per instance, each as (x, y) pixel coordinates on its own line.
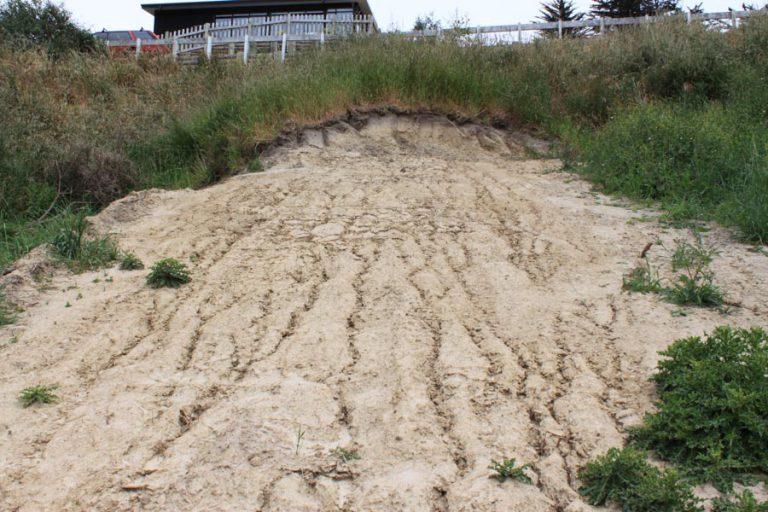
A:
(625, 478)
(7, 311)
(130, 262)
(711, 417)
(744, 502)
(168, 273)
(643, 279)
(345, 455)
(38, 395)
(81, 250)
(508, 469)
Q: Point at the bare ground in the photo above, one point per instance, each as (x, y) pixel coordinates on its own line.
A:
(417, 292)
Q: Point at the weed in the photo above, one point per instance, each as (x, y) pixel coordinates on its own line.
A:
(79, 250)
(625, 478)
(695, 285)
(744, 502)
(67, 305)
(507, 470)
(38, 395)
(168, 273)
(679, 313)
(345, 455)
(299, 438)
(14, 340)
(712, 412)
(642, 279)
(130, 261)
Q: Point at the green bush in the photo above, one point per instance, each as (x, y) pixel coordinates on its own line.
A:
(42, 23)
(131, 262)
(712, 409)
(80, 250)
(624, 477)
(695, 284)
(508, 469)
(744, 502)
(168, 273)
(37, 395)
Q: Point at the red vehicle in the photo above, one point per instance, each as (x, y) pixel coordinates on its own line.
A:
(124, 41)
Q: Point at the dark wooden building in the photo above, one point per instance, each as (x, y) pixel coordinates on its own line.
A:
(172, 17)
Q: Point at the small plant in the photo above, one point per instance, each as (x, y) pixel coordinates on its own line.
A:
(642, 279)
(507, 469)
(7, 312)
(38, 395)
(131, 262)
(346, 455)
(67, 305)
(299, 438)
(625, 478)
(695, 285)
(168, 273)
(744, 502)
(81, 251)
(712, 413)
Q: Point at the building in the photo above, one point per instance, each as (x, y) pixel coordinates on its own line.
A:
(179, 16)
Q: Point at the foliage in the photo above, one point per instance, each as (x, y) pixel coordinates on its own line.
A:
(168, 273)
(642, 279)
(507, 469)
(561, 10)
(38, 395)
(744, 502)
(41, 23)
(131, 262)
(629, 8)
(345, 455)
(80, 250)
(695, 285)
(625, 478)
(427, 22)
(712, 409)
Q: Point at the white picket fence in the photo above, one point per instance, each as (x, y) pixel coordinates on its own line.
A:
(281, 32)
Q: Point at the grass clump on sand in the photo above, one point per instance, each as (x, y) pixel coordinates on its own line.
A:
(130, 261)
(168, 273)
(7, 311)
(79, 249)
(744, 502)
(508, 469)
(625, 478)
(712, 410)
(38, 395)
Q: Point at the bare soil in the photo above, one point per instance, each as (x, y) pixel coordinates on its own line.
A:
(422, 293)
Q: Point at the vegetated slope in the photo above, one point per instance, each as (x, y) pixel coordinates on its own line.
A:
(416, 293)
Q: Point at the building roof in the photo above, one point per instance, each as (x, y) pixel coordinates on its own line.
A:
(218, 4)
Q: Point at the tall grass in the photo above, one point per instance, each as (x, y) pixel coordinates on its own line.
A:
(670, 113)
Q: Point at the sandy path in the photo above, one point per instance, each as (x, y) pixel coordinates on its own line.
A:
(414, 291)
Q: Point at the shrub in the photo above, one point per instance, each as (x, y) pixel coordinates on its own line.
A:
(38, 395)
(507, 469)
(642, 279)
(168, 273)
(712, 409)
(744, 502)
(131, 262)
(625, 478)
(42, 23)
(695, 285)
(81, 251)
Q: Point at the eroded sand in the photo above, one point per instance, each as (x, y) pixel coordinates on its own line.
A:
(415, 291)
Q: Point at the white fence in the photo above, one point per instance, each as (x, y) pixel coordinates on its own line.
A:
(280, 32)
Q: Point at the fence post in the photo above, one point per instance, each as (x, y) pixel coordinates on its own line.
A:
(209, 48)
(175, 51)
(689, 17)
(285, 47)
(322, 39)
(138, 48)
(520, 33)
(734, 20)
(246, 48)
(602, 25)
(560, 28)
(288, 23)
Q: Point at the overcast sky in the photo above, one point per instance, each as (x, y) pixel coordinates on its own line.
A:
(127, 14)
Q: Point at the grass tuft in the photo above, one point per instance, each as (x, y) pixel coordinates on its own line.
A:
(168, 273)
(130, 261)
(507, 469)
(345, 455)
(80, 250)
(695, 285)
(744, 502)
(38, 395)
(7, 312)
(642, 279)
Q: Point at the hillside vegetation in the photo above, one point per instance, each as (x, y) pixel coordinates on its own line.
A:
(670, 113)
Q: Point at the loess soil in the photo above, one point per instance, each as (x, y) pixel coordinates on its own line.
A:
(421, 292)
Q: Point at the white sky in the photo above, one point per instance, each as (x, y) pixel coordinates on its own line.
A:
(127, 14)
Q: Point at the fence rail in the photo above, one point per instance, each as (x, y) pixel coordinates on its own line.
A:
(281, 32)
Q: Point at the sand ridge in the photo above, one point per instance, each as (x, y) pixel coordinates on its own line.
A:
(416, 291)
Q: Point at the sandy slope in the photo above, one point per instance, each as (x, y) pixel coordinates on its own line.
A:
(416, 291)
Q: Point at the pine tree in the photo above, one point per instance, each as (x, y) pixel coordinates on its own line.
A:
(630, 8)
(557, 10)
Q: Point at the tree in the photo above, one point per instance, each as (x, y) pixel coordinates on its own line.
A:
(561, 10)
(426, 22)
(28, 23)
(630, 8)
